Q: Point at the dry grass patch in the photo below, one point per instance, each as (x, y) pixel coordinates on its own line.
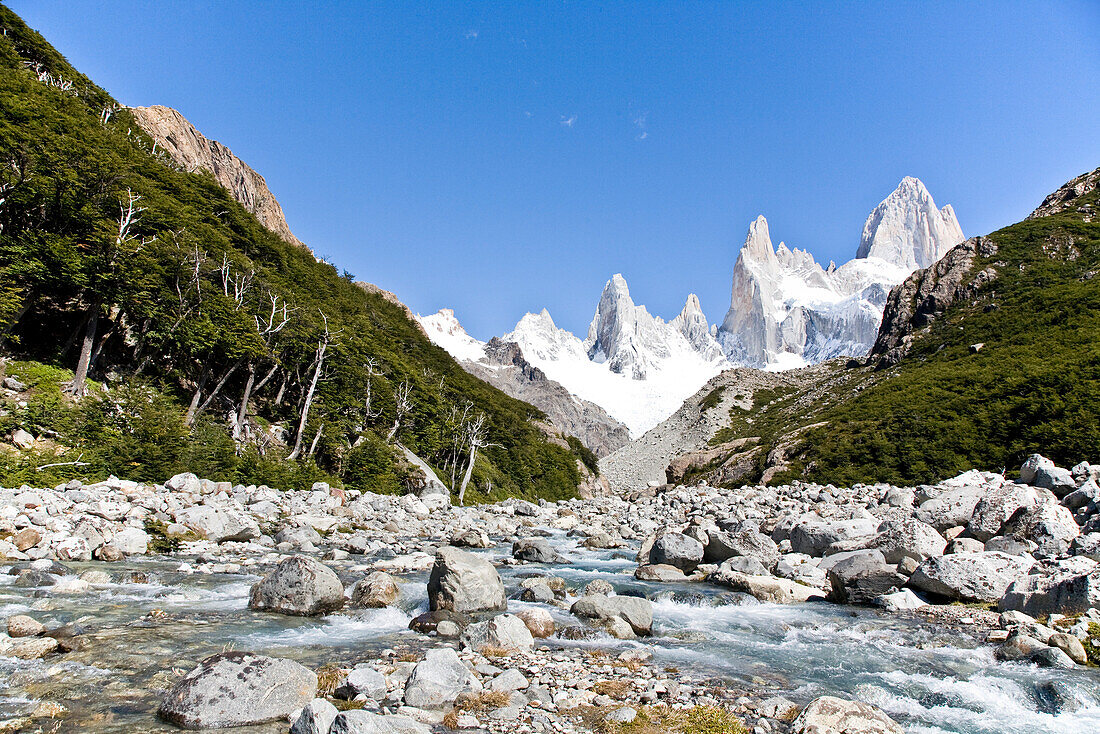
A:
(494, 651)
(617, 689)
(475, 703)
(328, 678)
(665, 720)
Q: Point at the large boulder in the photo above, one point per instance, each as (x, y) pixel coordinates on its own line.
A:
(377, 590)
(218, 524)
(536, 550)
(676, 549)
(299, 586)
(131, 541)
(238, 689)
(813, 536)
(364, 722)
(746, 540)
(1070, 586)
(635, 611)
(862, 578)
(952, 507)
(316, 718)
(464, 582)
(504, 632)
(980, 577)
(764, 588)
(830, 715)
(438, 679)
(908, 537)
(997, 507)
(1041, 472)
(1050, 526)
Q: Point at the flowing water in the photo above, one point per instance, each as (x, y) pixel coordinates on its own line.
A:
(930, 679)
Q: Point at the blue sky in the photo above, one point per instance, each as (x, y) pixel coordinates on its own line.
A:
(498, 158)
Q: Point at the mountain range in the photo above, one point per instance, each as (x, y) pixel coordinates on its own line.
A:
(786, 311)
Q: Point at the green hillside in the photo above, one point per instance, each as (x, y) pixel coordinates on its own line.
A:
(1033, 385)
(179, 303)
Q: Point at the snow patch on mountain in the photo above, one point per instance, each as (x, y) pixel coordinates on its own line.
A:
(634, 365)
(444, 331)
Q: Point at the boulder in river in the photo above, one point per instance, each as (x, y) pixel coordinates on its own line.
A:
(464, 582)
(745, 540)
(377, 590)
(299, 586)
(218, 524)
(536, 550)
(831, 715)
(635, 611)
(764, 588)
(676, 549)
(238, 689)
(970, 576)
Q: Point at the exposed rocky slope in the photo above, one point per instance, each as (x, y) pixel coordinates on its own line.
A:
(1071, 197)
(191, 150)
(503, 365)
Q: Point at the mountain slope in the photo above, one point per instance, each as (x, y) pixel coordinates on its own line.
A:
(116, 263)
(984, 358)
(503, 365)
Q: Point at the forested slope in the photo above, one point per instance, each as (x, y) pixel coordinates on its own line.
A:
(204, 337)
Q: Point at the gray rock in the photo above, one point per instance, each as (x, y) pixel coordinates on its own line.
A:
(952, 507)
(1087, 545)
(1050, 526)
(302, 536)
(508, 681)
(764, 588)
(997, 507)
(970, 576)
(1051, 657)
(1031, 466)
(238, 689)
(862, 578)
(438, 679)
(636, 612)
(1070, 645)
(536, 550)
(746, 541)
(506, 631)
(362, 681)
(663, 572)
(376, 591)
(298, 586)
(1071, 586)
(364, 722)
(830, 715)
(812, 537)
(1011, 546)
(316, 718)
(218, 525)
(464, 582)
(1084, 496)
(910, 537)
(676, 549)
(1019, 647)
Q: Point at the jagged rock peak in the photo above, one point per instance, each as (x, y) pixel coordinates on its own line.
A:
(445, 331)
(907, 230)
(191, 150)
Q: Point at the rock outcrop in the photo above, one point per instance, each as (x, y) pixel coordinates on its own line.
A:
(926, 294)
(192, 151)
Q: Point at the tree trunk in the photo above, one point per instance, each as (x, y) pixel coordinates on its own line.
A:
(466, 477)
(214, 393)
(82, 365)
(316, 438)
(242, 412)
(187, 419)
(305, 408)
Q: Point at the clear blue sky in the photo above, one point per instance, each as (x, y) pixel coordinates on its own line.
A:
(498, 158)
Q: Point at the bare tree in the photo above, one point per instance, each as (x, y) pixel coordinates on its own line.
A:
(128, 217)
(402, 406)
(326, 340)
(267, 326)
(475, 435)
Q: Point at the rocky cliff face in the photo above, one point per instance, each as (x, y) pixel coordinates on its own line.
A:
(926, 294)
(908, 230)
(191, 150)
(1069, 198)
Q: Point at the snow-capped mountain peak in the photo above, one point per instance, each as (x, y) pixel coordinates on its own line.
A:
(907, 229)
(444, 330)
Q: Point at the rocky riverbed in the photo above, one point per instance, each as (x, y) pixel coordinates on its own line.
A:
(968, 606)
